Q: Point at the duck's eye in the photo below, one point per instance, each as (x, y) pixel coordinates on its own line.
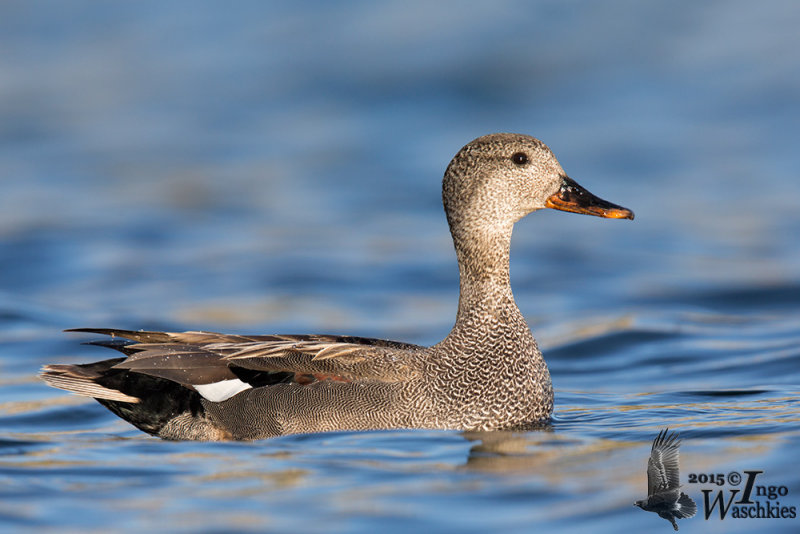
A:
(519, 158)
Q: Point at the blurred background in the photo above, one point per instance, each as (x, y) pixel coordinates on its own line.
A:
(273, 167)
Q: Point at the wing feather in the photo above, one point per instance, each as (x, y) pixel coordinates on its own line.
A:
(201, 358)
(663, 471)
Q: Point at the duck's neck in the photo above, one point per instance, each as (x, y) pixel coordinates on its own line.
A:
(483, 261)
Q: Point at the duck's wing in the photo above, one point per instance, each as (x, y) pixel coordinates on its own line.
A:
(663, 472)
(218, 366)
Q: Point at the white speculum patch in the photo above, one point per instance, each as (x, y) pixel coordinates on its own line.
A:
(222, 390)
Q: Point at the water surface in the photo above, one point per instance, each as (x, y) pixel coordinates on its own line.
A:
(262, 169)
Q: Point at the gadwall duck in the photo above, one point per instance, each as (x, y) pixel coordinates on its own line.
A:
(487, 374)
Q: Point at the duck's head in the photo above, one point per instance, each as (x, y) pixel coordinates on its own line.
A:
(499, 178)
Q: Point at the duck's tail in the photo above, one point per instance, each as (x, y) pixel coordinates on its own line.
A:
(89, 380)
(152, 404)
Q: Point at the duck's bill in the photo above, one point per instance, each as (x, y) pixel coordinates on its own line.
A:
(572, 197)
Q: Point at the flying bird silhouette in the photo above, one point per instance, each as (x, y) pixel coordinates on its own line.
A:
(664, 496)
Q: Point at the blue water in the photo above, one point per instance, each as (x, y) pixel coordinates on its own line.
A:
(262, 168)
